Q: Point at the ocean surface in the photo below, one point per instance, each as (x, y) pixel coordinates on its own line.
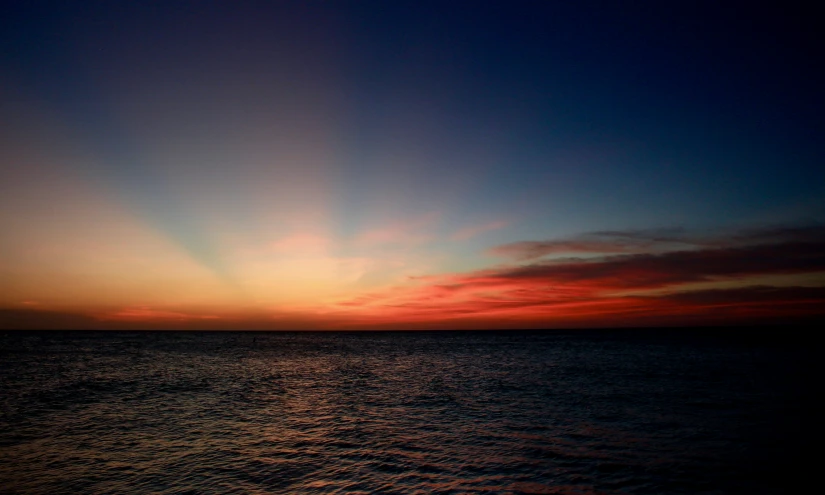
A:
(584, 412)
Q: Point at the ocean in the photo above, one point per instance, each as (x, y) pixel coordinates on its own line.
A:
(573, 412)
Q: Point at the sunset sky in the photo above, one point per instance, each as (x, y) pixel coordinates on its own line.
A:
(409, 165)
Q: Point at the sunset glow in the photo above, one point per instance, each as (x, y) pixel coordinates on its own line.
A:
(306, 168)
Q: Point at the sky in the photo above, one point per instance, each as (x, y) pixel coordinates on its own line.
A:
(410, 165)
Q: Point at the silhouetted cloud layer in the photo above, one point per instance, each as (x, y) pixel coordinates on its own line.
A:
(709, 280)
(642, 241)
(594, 242)
(629, 288)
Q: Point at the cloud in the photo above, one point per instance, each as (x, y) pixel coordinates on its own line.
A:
(145, 313)
(751, 304)
(147, 318)
(654, 240)
(719, 280)
(753, 295)
(601, 242)
(32, 319)
(620, 287)
(806, 233)
(647, 271)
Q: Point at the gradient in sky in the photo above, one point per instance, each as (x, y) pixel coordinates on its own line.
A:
(325, 165)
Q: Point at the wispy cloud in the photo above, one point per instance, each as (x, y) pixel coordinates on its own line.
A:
(806, 233)
(716, 279)
(35, 319)
(146, 313)
(601, 242)
(654, 240)
(622, 285)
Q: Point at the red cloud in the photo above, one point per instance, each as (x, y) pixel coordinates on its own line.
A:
(591, 290)
(143, 313)
(652, 288)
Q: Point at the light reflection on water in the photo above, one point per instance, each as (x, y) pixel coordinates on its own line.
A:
(473, 412)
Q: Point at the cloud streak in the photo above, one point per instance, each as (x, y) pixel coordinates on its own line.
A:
(619, 288)
(717, 280)
(653, 240)
(602, 242)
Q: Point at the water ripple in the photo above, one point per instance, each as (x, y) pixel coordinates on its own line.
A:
(521, 413)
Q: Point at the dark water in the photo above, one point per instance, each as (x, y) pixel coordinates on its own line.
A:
(573, 413)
